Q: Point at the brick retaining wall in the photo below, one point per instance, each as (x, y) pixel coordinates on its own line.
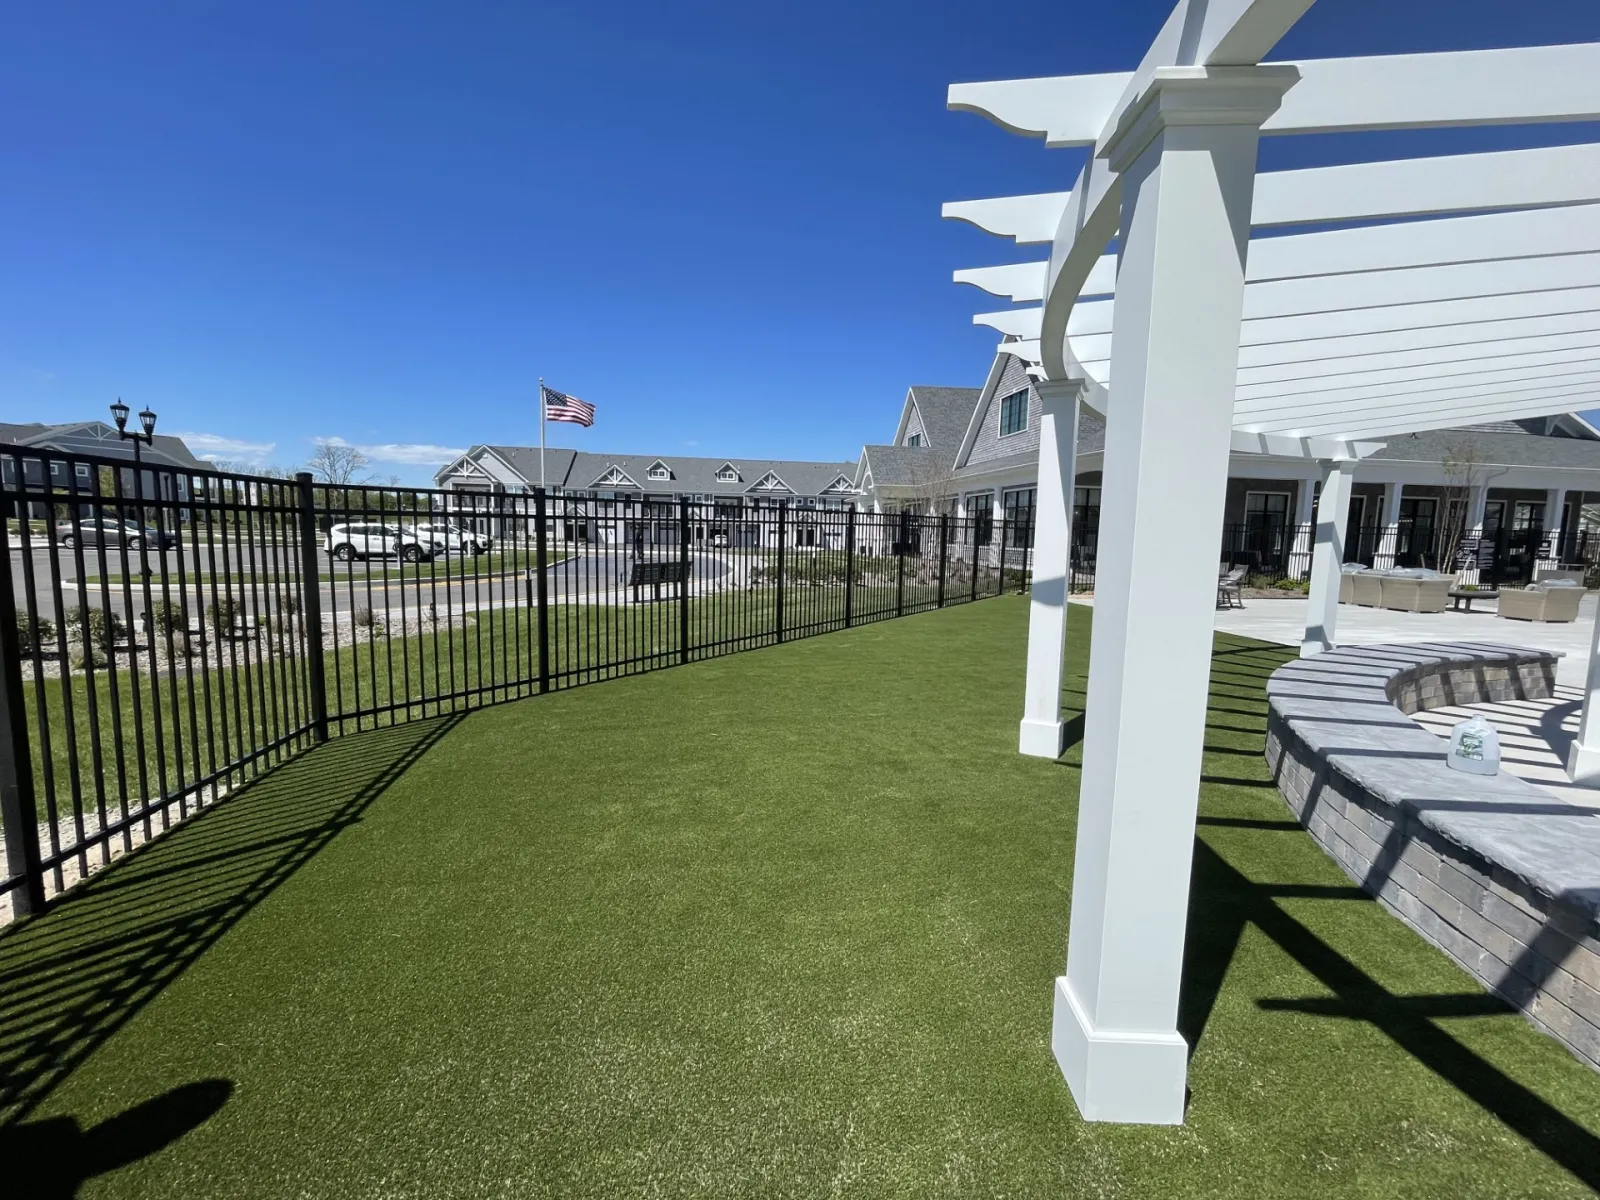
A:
(1499, 874)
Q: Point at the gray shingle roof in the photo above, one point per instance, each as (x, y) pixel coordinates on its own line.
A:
(578, 470)
(946, 413)
(96, 437)
(901, 466)
(1520, 449)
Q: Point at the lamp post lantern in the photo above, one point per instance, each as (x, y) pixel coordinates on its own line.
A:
(144, 435)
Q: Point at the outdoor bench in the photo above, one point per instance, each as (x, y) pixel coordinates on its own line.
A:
(1500, 874)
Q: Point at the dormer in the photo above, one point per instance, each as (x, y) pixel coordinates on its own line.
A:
(659, 470)
(727, 473)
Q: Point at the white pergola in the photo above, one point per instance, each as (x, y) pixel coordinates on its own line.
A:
(1460, 289)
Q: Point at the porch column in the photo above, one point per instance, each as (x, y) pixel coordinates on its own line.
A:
(1186, 150)
(1477, 505)
(1554, 501)
(1583, 759)
(1304, 529)
(1389, 532)
(1333, 514)
(1042, 729)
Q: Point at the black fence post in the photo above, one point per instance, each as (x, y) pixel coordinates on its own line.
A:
(972, 593)
(783, 509)
(684, 536)
(944, 548)
(849, 566)
(311, 605)
(902, 545)
(541, 564)
(19, 814)
(1000, 572)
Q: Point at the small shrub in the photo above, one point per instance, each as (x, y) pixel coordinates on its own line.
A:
(105, 628)
(36, 635)
(225, 612)
(168, 617)
(288, 602)
(364, 618)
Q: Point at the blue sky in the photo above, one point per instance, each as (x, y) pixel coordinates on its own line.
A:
(717, 222)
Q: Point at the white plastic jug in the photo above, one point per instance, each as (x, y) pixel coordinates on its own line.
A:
(1475, 747)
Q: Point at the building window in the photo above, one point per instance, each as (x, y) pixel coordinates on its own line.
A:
(1014, 413)
(83, 470)
(914, 439)
(980, 511)
(1017, 503)
(1262, 509)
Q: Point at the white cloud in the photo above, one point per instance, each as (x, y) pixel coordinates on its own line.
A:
(214, 446)
(416, 454)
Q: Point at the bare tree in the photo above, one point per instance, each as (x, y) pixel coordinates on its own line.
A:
(337, 464)
(1463, 466)
(933, 483)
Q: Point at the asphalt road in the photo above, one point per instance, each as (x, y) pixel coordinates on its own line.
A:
(449, 583)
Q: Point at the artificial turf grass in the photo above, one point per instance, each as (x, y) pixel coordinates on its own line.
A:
(784, 923)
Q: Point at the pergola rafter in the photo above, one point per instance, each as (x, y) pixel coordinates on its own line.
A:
(1459, 289)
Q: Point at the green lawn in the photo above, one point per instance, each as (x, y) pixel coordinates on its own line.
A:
(783, 923)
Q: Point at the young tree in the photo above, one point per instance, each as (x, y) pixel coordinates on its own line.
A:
(933, 483)
(337, 464)
(1463, 468)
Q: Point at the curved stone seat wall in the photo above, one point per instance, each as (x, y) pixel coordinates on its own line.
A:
(1501, 875)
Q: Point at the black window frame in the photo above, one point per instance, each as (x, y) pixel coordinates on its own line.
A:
(1014, 406)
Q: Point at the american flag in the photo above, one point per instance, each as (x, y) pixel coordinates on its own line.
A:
(561, 407)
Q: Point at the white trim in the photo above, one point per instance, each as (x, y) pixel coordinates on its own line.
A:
(623, 479)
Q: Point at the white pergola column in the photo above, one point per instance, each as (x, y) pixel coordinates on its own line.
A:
(1389, 530)
(1333, 514)
(1583, 758)
(1186, 152)
(1304, 529)
(1042, 728)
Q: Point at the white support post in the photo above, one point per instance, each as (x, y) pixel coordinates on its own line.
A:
(1042, 730)
(1477, 506)
(1583, 759)
(1333, 513)
(1186, 152)
(1389, 532)
(1304, 529)
(1554, 501)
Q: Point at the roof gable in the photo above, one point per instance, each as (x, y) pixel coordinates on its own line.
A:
(614, 476)
(770, 482)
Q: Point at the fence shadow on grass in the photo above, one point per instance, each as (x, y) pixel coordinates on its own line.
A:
(72, 977)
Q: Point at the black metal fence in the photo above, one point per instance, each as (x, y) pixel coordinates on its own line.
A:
(166, 636)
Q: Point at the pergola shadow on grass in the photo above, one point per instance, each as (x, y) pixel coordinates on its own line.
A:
(784, 923)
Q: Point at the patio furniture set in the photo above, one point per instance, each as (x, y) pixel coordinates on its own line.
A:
(1415, 590)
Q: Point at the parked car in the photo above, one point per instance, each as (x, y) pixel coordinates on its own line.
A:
(364, 540)
(111, 531)
(452, 539)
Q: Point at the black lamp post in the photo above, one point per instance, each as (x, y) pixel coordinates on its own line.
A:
(146, 435)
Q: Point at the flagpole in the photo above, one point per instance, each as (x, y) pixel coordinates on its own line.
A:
(541, 433)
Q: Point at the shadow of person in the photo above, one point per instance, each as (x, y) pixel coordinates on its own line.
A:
(50, 1159)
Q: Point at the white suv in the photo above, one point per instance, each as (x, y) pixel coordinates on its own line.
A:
(451, 539)
(367, 540)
